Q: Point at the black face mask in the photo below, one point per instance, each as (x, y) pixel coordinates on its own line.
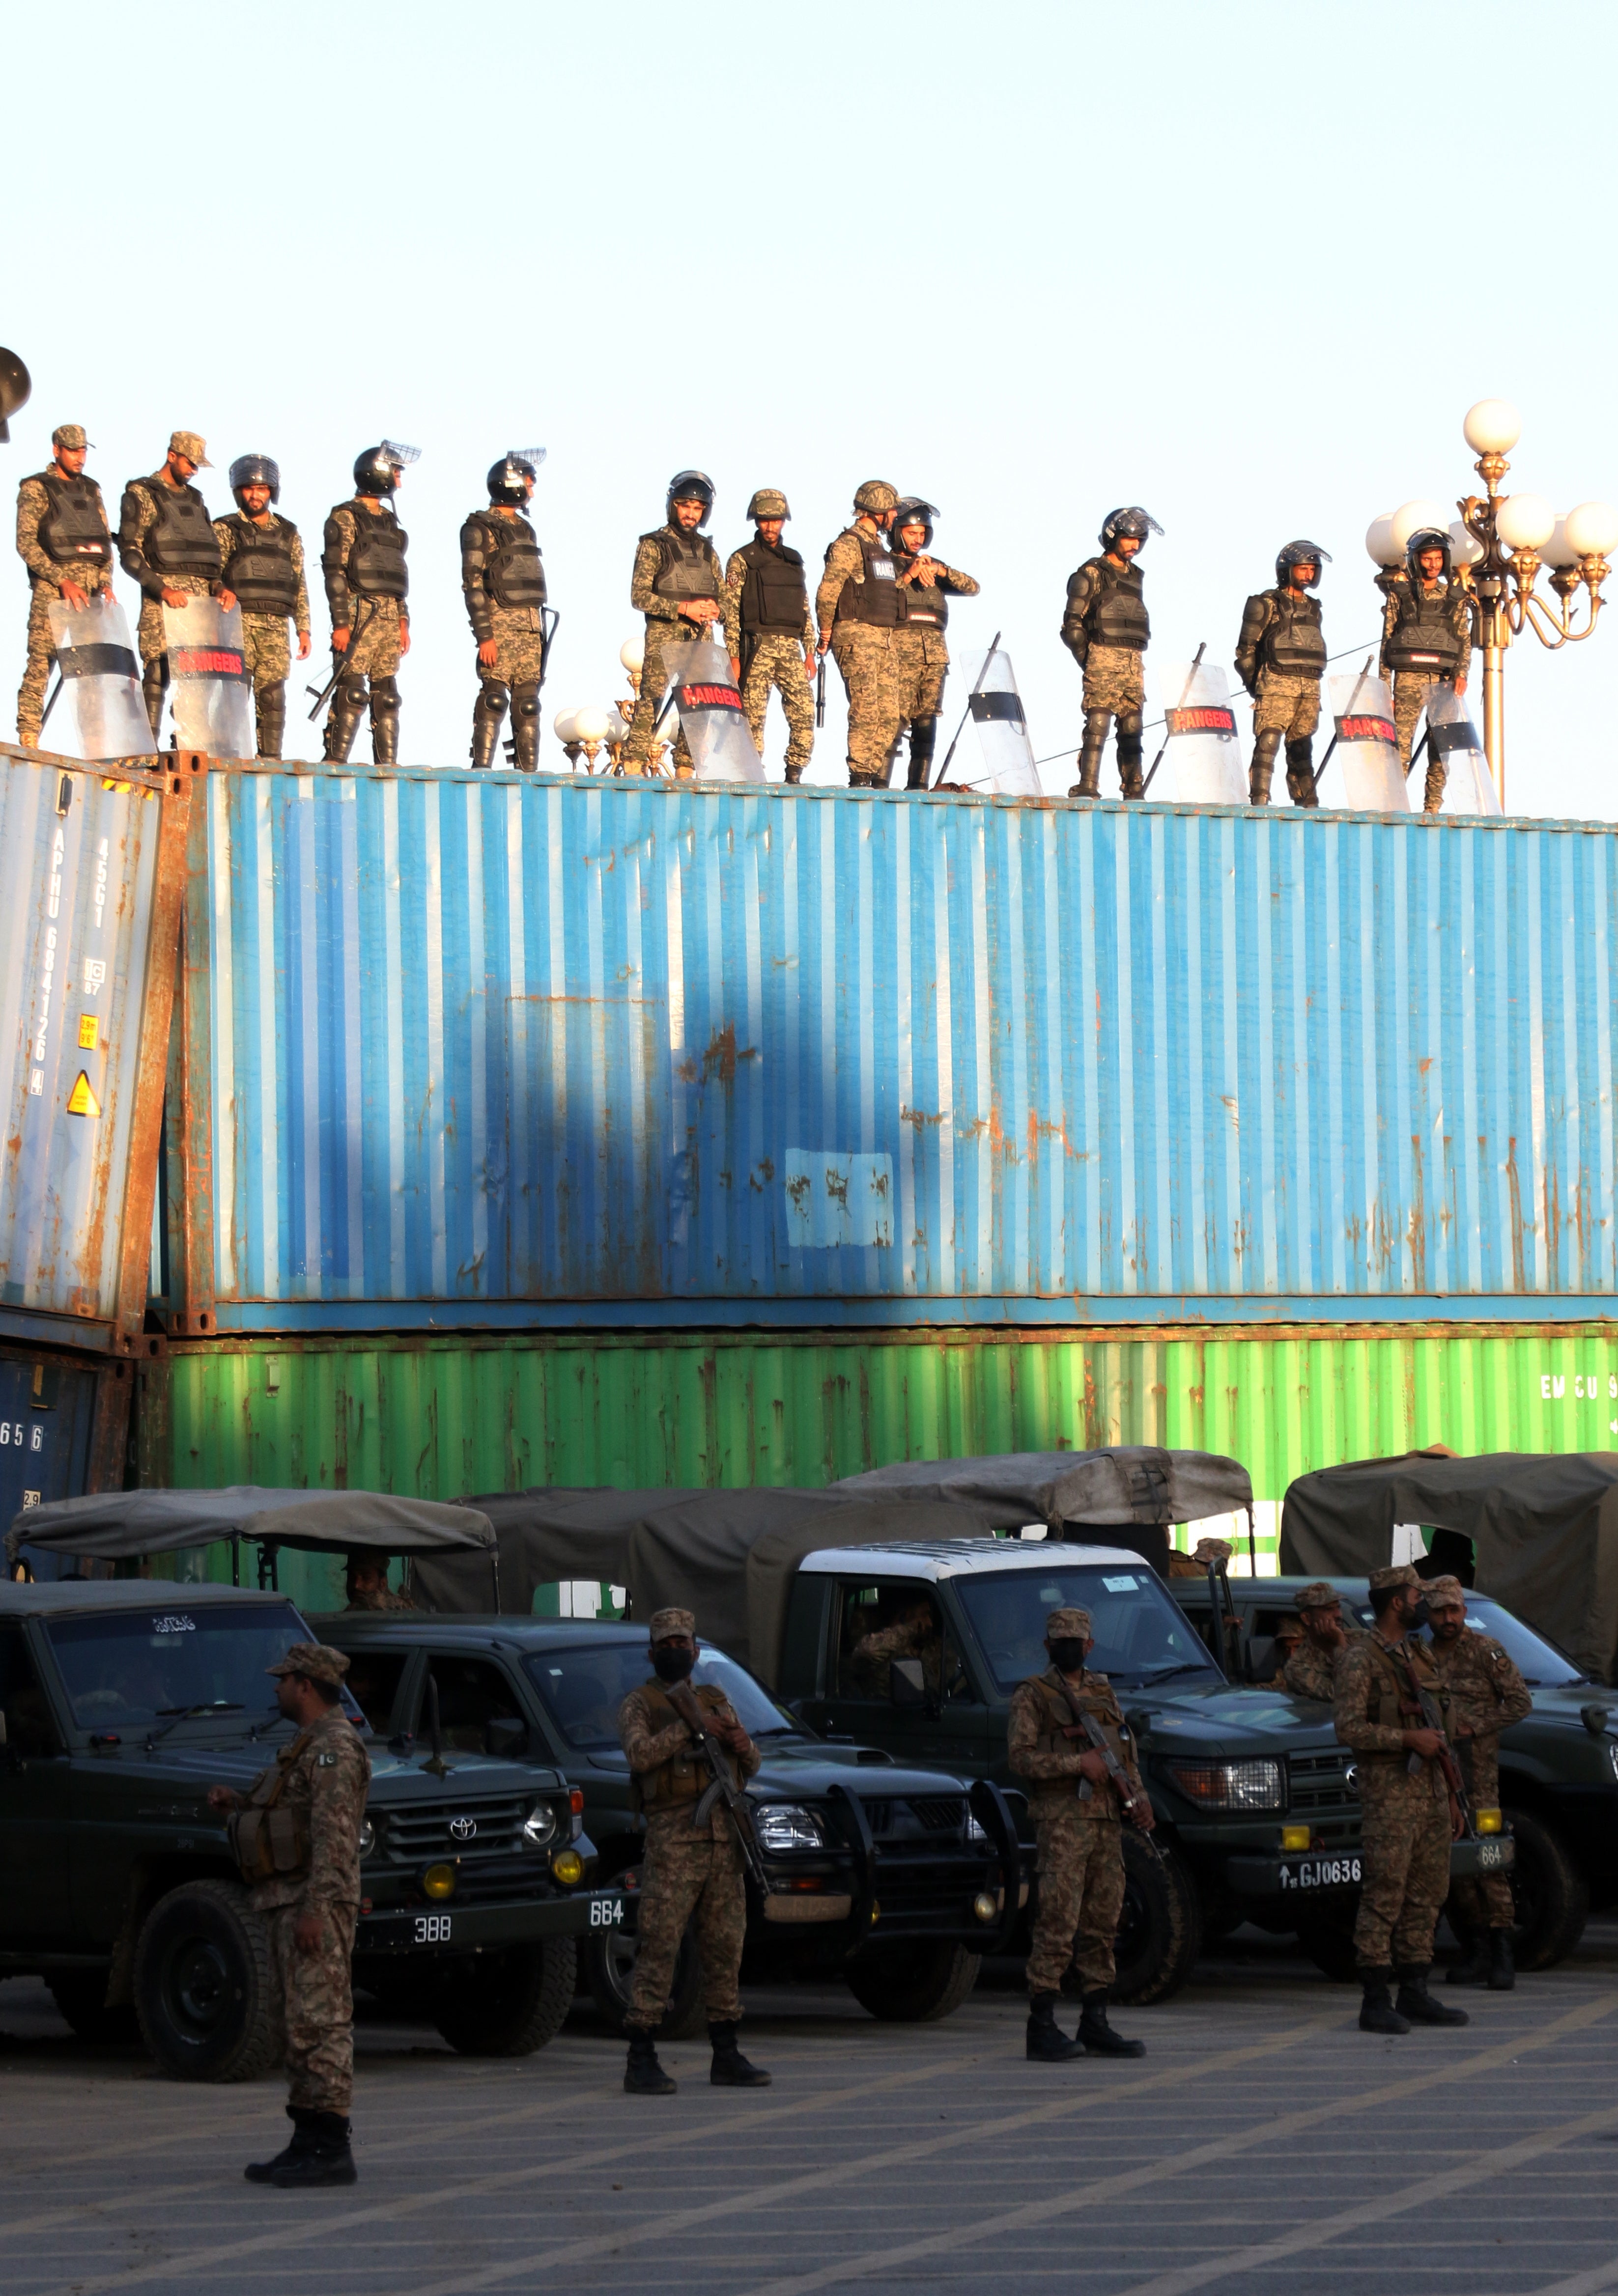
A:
(1420, 1616)
(672, 1664)
(1068, 1654)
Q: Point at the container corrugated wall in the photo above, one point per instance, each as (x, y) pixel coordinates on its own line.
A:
(488, 1050)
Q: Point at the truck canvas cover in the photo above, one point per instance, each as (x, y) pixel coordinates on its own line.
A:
(124, 1524)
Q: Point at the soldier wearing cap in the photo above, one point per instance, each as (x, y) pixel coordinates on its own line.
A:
(305, 1880)
(688, 1872)
(1489, 1695)
(1404, 1803)
(1310, 1669)
(366, 1581)
(1079, 1822)
(1289, 1634)
(770, 630)
(166, 543)
(857, 608)
(1206, 1553)
(63, 539)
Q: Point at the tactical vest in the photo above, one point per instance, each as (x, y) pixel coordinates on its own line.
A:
(513, 567)
(1294, 643)
(1424, 638)
(181, 539)
(271, 1840)
(259, 569)
(74, 528)
(1392, 1705)
(774, 596)
(1057, 1718)
(921, 608)
(686, 1776)
(1117, 615)
(376, 563)
(871, 598)
(687, 567)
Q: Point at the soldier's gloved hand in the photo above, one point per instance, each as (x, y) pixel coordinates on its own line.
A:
(227, 599)
(72, 598)
(404, 635)
(339, 640)
(177, 599)
(735, 670)
(488, 652)
(303, 646)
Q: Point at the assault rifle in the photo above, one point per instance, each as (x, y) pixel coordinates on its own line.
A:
(821, 693)
(1432, 1716)
(1085, 1724)
(723, 1788)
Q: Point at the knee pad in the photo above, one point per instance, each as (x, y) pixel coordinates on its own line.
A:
(1130, 743)
(384, 697)
(490, 701)
(350, 692)
(524, 701)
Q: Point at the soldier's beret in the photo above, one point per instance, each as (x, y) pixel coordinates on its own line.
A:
(1393, 1574)
(318, 1661)
(1068, 1626)
(1319, 1595)
(1212, 1550)
(1442, 1592)
(665, 1623)
(70, 435)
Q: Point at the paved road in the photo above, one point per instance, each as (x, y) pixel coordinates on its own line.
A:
(1263, 2145)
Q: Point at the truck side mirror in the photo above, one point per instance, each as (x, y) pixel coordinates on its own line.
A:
(907, 1683)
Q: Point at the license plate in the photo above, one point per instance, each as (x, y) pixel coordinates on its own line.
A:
(1321, 1873)
(606, 1914)
(409, 1929)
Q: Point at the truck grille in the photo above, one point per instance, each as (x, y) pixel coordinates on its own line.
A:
(415, 1831)
(911, 1821)
(1321, 1781)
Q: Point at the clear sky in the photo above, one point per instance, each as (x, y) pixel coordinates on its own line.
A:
(1231, 261)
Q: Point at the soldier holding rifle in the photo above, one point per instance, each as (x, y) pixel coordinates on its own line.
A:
(1490, 1695)
(1068, 1738)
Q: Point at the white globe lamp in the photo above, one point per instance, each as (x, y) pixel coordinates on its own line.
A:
(1493, 427)
(1379, 541)
(1411, 517)
(1525, 521)
(1592, 529)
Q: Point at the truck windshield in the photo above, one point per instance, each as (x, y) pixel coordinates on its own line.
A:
(148, 1666)
(1140, 1637)
(1540, 1663)
(585, 1685)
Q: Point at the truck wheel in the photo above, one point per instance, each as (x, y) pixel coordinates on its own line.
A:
(80, 1995)
(609, 1968)
(912, 1984)
(204, 1990)
(1159, 1934)
(507, 2004)
(1551, 1896)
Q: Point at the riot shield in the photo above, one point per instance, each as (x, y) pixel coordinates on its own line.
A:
(98, 712)
(1362, 773)
(1453, 741)
(992, 751)
(1202, 749)
(209, 688)
(711, 717)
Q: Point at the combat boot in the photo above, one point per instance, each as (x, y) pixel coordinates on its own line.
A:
(1048, 2044)
(525, 727)
(1088, 783)
(302, 2139)
(1301, 773)
(924, 739)
(272, 724)
(1132, 752)
(326, 2159)
(384, 721)
(348, 708)
(1377, 2014)
(643, 2074)
(488, 716)
(730, 2068)
(1262, 766)
(794, 774)
(1096, 2035)
(1473, 1967)
(154, 680)
(1502, 1968)
(1417, 2004)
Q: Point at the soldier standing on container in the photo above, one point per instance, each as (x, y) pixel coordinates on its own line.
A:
(1280, 658)
(1488, 1696)
(1405, 1822)
(367, 583)
(1427, 640)
(857, 607)
(677, 585)
(312, 1905)
(1311, 1670)
(686, 1873)
(166, 543)
(1106, 629)
(263, 568)
(503, 577)
(770, 630)
(1080, 1838)
(925, 585)
(64, 541)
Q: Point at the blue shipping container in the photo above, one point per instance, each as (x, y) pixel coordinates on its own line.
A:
(469, 1049)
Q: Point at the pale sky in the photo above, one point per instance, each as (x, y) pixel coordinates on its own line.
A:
(1232, 262)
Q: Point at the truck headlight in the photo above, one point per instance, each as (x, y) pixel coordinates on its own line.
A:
(1230, 1785)
(1612, 1755)
(787, 1825)
(540, 1826)
(367, 1838)
(974, 1832)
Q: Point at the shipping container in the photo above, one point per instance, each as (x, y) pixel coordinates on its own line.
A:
(466, 1050)
(89, 933)
(64, 1430)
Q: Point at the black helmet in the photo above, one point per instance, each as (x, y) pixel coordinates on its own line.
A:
(1428, 538)
(376, 471)
(510, 477)
(1130, 523)
(255, 470)
(1301, 554)
(691, 486)
(913, 510)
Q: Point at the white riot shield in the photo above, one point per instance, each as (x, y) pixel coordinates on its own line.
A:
(99, 712)
(711, 717)
(1362, 775)
(1453, 741)
(1203, 756)
(209, 688)
(993, 752)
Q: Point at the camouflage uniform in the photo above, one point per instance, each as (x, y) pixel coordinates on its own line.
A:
(1114, 679)
(376, 627)
(667, 631)
(137, 515)
(1080, 1842)
(870, 1661)
(1404, 1820)
(1411, 687)
(684, 1872)
(1489, 1695)
(775, 660)
(265, 647)
(872, 670)
(1285, 702)
(923, 656)
(379, 1598)
(45, 579)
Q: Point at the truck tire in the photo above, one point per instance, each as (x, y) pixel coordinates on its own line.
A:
(609, 1970)
(204, 1989)
(912, 1984)
(1160, 1935)
(1551, 1896)
(80, 1995)
(507, 2004)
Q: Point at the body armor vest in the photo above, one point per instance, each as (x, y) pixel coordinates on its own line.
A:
(774, 596)
(259, 569)
(874, 602)
(1391, 1705)
(1117, 615)
(687, 570)
(1294, 643)
(181, 539)
(376, 563)
(74, 528)
(921, 608)
(513, 567)
(1056, 1719)
(686, 1776)
(1424, 637)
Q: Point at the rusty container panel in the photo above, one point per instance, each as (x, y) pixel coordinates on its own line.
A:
(479, 1050)
(94, 874)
